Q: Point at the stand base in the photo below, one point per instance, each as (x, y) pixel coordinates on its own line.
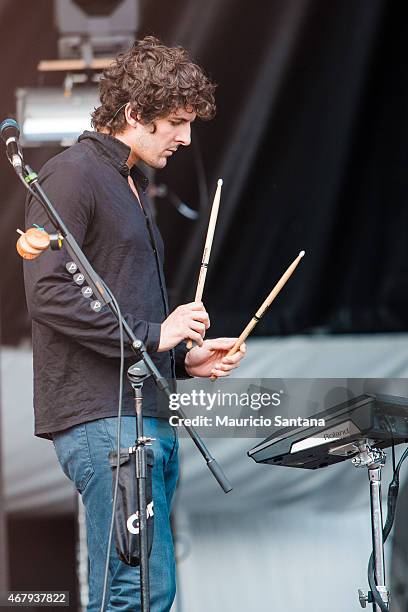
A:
(374, 459)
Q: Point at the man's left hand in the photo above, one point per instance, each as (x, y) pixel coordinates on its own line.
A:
(211, 359)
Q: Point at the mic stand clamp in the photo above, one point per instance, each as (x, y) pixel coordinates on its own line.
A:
(137, 374)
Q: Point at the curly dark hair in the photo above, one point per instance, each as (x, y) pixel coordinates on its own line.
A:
(156, 80)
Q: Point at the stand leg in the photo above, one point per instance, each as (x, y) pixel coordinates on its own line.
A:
(141, 474)
(374, 459)
(374, 475)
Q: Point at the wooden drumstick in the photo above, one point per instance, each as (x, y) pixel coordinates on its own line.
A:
(207, 248)
(264, 307)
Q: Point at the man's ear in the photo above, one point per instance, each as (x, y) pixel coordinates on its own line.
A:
(131, 120)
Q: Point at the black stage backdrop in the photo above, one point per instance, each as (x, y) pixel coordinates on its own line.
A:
(310, 139)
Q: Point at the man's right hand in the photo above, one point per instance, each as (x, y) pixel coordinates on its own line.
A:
(186, 321)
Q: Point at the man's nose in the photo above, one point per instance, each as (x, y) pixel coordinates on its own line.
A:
(184, 135)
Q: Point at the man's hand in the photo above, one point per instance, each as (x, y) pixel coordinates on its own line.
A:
(210, 358)
(186, 321)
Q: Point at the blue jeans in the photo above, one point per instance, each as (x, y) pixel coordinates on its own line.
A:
(83, 454)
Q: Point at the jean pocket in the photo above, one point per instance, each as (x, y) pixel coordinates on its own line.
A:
(73, 453)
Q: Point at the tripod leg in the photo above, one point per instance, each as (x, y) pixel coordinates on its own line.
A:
(141, 470)
(141, 475)
(374, 475)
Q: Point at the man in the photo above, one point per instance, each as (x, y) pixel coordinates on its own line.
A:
(150, 95)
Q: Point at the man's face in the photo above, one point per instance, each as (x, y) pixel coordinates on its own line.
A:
(154, 148)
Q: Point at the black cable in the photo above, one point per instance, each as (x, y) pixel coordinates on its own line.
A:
(118, 436)
(394, 468)
(34, 194)
(26, 185)
(389, 427)
(393, 455)
(373, 587)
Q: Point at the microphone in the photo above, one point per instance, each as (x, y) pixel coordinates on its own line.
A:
(10, 132)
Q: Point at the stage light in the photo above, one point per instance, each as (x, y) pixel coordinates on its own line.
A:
(91, 33)
(48, 117)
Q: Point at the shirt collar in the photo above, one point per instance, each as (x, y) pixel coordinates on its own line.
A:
(118, 153)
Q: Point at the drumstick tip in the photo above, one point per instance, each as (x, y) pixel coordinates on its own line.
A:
(220, 182)
(301, 254)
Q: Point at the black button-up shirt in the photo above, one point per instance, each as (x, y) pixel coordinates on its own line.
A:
(76, 350)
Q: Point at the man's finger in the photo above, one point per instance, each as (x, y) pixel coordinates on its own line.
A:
(195, 337)
(219, 373)
(198, 327)
(226, 367)
(233, 359)
(223, 344)
(196, 306)
(201, 316)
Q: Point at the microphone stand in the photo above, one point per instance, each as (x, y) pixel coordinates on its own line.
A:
(103, 297)
(137, 374)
